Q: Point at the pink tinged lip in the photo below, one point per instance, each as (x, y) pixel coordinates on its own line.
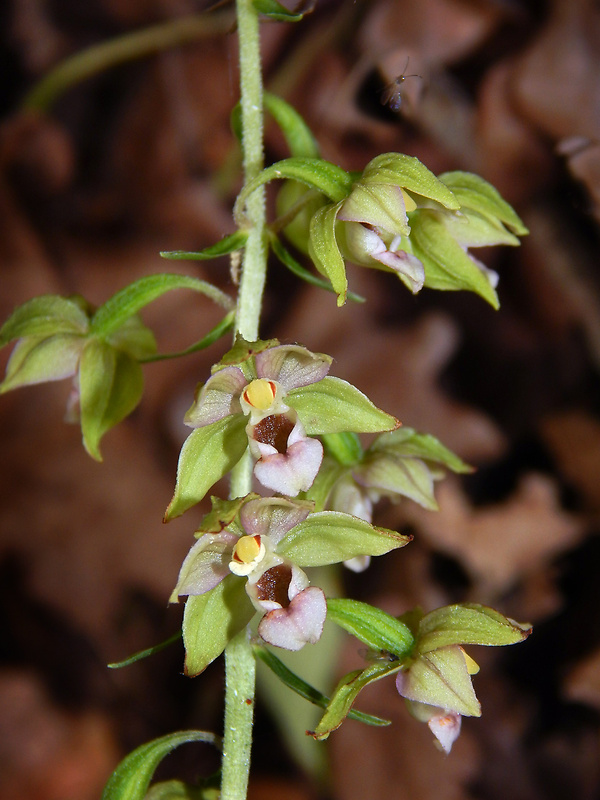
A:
(299, 624)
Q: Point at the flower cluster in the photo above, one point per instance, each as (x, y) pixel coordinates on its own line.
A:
(265, 542)
(273, 399)
(399, 217)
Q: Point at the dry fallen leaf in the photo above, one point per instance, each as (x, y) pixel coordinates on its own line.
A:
(499, 545)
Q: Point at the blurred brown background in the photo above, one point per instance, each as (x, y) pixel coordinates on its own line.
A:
(140, 159)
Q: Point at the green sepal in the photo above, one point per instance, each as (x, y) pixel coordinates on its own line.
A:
(297, 134)
(300, 272)
(132, 298)
(148, 651)
(377, 629)
(131, 779)
(275, 11)
(344, 447)
(468, 623)
(324, 250)
(325, 177)
(305, 690)
(44, 316)
(228, 244)
(441, 678)
(207, 455)
(211, 620)
(111, 385)
(408, 443)
(38, 359)
(328, 537)
(447, 266)
(346, 692)
(409, 173)
(474, 193)
(134, 338)
(333, 405)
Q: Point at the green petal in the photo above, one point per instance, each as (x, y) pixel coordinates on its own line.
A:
(131, 779)
(447, 266)
(408, 477)
(378, 630)
(211, 620)
(332, 406)
(38, 359)
(111, 384)
(207, 455)
(329, 537)
(44, 316)
(325, 252)
(468, 623)
(409, 173)
(380, 205)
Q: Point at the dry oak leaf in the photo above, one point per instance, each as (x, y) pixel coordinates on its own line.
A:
(500, 544)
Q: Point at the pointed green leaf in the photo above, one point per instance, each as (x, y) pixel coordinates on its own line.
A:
(228, 244)
(296, 684)
(474, 193)
(328, 537)
(468, 623)
(132, 298)
(177, 790)
(297, 134)
(447, 266)
(111, 385)
(346, 693)
(38, 359)
(44, 316)
(406, 442)
(332, 406)
(207, 455)
(409, 173)
(275, 11)
(211, 620)
(317, 173)
(148, 651)
(132, 777)
(324, 250)
(377, 629)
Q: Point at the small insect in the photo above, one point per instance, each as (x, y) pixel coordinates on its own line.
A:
(391, 94)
